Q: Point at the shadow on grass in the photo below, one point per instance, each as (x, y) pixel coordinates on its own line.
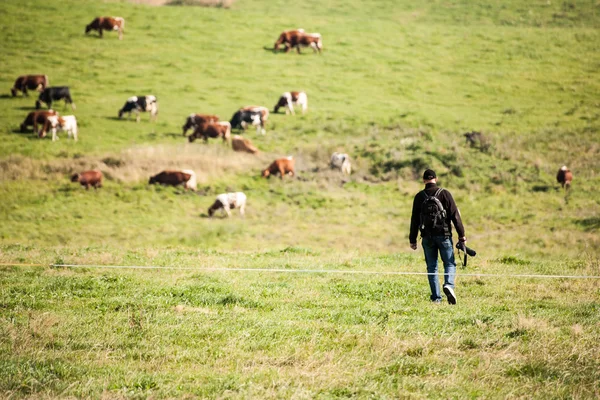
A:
(175, 135)
(32, 108)
(543, 188)
(589, 224)
(8, 96)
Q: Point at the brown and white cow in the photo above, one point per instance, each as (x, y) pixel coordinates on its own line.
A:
(283, 166)
(65, 123)
(288, 38)
(242, 144)
(88, 178)
(289, 99)
(108, 24)
(36, 118)
(31, 82)
(221, 129)
(227, 201)
(185, 177)
(298, 38)
(564, 177)
(193, 120)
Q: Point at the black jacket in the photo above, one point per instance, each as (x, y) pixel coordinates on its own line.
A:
(452, 213)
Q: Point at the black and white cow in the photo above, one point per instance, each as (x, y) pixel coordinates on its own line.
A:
(55, 93)
(253, 115)
(140, 103)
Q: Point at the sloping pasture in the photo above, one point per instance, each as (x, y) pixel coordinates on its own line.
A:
(397, 85)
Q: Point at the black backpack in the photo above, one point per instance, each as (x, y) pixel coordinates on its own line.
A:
(433, 215)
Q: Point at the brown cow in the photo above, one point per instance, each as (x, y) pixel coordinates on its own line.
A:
(36, 117)
(31, 82)
(108, 24)
(194, 120)
(239, 143)
(215, 130)
(282, 166)
(88, 178)
(288, 38)
(564, 177)
(185, 177)
(297, 38)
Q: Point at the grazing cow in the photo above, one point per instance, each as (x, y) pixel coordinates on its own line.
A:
(88, 178)
(564, 177)
(289, 39)
(341, 161)
(196, 119)
(185, 177)
(108, 24)
(253, 115)
(55, 93)
(36, 117)
(66, 123)
(140, 103)
(227, 201)
(282, 166)
(31, 82)
(239, 143)
(220, 129)
(289, 99)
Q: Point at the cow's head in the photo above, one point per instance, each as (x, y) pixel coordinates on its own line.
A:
(88, 28)
(74, 177)
(266, 173)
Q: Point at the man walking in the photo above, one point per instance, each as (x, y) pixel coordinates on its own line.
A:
(433, 209)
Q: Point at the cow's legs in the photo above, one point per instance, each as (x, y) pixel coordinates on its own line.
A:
(137, 115)
(24, 90)
(290, 108)
(120, 34)
(100, 31)
(54, 136)
(242, 210)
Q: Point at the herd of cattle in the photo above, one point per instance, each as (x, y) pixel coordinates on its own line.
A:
(203, 126)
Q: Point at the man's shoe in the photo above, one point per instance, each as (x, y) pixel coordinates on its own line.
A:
(449, 292)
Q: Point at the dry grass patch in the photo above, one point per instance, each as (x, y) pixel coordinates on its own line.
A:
(137, 164)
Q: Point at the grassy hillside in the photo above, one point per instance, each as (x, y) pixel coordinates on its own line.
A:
(397, 85)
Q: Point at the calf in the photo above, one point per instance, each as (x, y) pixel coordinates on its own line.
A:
(140, 103)
(220, 129)
(227, 201)
(253, 115)
(239, 143)
(282, 166)
(477, 139)
(55, 93)
(31, 82)
(288, 99)
(185, 177)
(108, 24)
(196, 119)
(66, 123)
(341, 161)
(88, 178)
(36, 117)
(564, 177)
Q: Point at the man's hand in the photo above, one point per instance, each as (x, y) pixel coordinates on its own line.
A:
(463, 239)
(413, 246)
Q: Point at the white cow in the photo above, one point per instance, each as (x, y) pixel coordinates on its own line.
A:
(341, 161)
(227, 201)
(66, 123)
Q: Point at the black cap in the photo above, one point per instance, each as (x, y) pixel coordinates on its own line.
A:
(429, 174)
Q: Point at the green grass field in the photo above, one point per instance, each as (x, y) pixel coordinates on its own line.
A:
(396, 86)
